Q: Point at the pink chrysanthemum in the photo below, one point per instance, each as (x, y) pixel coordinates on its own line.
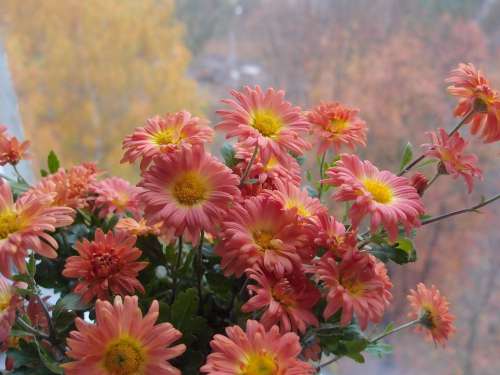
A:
(25, 225)
(450, 151)
(255, 351)
(432, 309)
(336, 125)
(123, 342)
(11, 150)
(475, 94)
(116, 196)
(70, 187)
(286, 300)
(137, 227)
(391, 200)
(107, 265)
(419, 182)
(9, 302)
(259, 232)
(332, 236)
(265, 120)
(188, 191)
(163, 135)
(357, 284)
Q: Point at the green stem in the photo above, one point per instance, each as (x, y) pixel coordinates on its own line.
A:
(176, 269)
(199, 266)
(19, 176)
(436, 176)
(247, 169)
(464, 120)
(321, 174)
(25, 326)
(394, 330)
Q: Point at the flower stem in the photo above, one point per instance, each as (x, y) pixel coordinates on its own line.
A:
(247, 169)
(199, 270)
(465, 210)
(329, 362)
(25, 326)
(433, 179)
(464, 120)
(321, 174)
(19, 175)
(176, 269)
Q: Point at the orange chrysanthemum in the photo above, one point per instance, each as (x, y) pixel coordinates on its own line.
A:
(137, 227)
(331, 235)
(358, 285)
(255, 352)
(265, 120)
(123, 342)
(163, 135)
(475, 94)
(115, 195)
(188, 191)
(336, 125)
(432, 309)
(11, 150)
(450, 151)
(107, 265)
(286, 300)
(25, 225)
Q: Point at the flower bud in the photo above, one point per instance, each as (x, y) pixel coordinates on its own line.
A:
(419, 182)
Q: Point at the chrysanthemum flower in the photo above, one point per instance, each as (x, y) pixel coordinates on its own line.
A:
(123, 342)
(137, 227)
(107, 265)
(286, 300)
(115, 196)
(391, 200)
(336, 125)
(255, 351)
(12, 151)
(9, 302)
(332, 236)
(163, 135)
(432, 309)
(475, 94)
(450, 151)
(265, 120)
(70, 187)
(419, 182)
(259, 232)
(357, 284)
(25, 225)
(188, 191)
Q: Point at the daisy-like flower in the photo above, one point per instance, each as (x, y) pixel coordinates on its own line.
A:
(9, 302)
(255, 351)
(163, 135)
(265, 120)
(391, 200)
(332, 236)
(286, 300)
(428, 305)
(25, 225)
(259, 232)
(123, 342)
(107, 265)
(12, 151)
(336, 125)
(475, 93)
(450, 151)
(115, 196)
(137, 227)
(70, 187)
(188, 191)
(358, 285)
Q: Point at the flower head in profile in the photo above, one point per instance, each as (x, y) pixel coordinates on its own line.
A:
(107, 265)
(25, 225)
(475, 93)
(165, 134)
(358, 285)
(389, 199)
(420, 182)
(115, 195)
(123, 342)
(188, 191)
(428, 305)
(450, 151)
(332, 236)
(12, 151)
(264, 120)
(286, 300)
(336, 125)
(137, 227)
(255, 351)
(9, 303)
(258, 232)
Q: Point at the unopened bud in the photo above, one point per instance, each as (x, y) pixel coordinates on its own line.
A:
(419, 182)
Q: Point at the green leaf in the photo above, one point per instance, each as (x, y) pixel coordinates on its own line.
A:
(379, 349)
(401, 252)
(53, 162)
(407, 156)
(229, 155)
(183, 316)
(43, 173)
(71, 302)
(357, 357)
(48, 361)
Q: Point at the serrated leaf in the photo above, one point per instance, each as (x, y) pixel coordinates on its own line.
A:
(379, 349)
(407, 156)
(49, 362)
(53, 162)
(183, 308)
(72, 302)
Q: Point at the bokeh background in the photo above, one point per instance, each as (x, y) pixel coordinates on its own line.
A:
(76, 76)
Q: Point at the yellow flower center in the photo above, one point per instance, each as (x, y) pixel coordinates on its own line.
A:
(167, 136)
(337, 126)
(263, 238)
(271, 164)
(259, 364)
(302, 211)
(9, 223)
(354, 287)
(121, 201)
(5, 301)
(125, 356)
(380, 191)
(266, 122)
(427, 317)
(190, 189)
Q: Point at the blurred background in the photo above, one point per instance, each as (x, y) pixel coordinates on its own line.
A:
(76, 76)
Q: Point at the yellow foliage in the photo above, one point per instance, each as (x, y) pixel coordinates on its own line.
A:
(88, 72)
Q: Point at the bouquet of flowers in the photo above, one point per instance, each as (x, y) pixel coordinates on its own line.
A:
(234, 266)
